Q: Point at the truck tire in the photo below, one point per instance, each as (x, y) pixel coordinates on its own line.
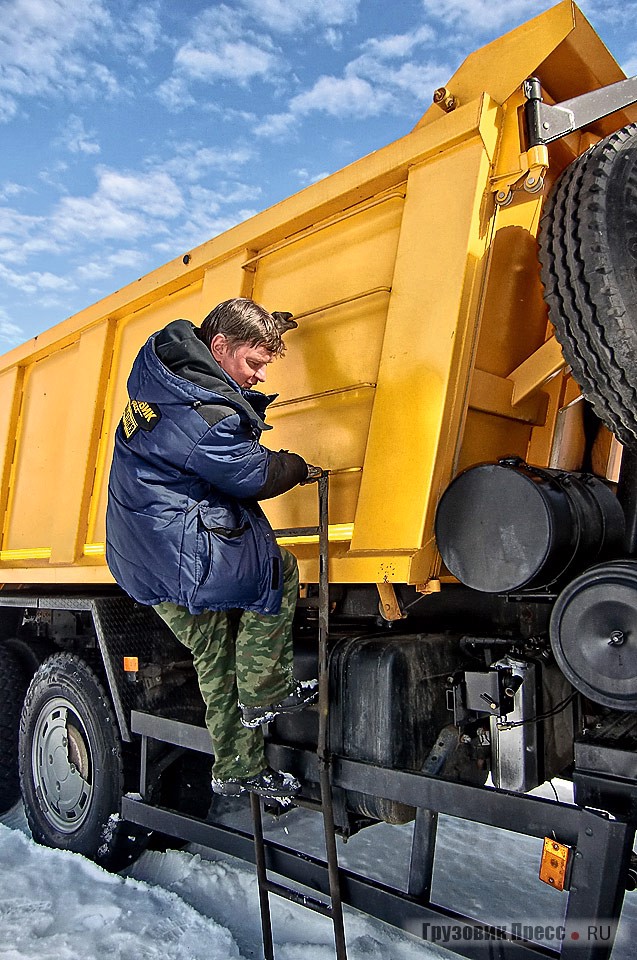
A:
(71, 765)
(30, 653)
(13, 685)
(588, 253)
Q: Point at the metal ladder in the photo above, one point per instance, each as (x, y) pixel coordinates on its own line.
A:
(333, 907)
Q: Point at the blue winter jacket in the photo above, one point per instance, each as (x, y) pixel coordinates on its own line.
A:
(183, 522)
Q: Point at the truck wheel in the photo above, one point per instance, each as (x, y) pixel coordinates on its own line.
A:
(30, 653)
(13, 686)
(71, 767)
(588, 252)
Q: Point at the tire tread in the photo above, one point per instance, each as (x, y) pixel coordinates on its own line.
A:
(586, 288)
(13, 685)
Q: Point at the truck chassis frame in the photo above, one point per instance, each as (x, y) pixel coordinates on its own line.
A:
(602, 844)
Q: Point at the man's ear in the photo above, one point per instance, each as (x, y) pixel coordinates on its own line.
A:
(219, 346)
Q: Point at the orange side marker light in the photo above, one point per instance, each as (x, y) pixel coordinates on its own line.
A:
(555, 864)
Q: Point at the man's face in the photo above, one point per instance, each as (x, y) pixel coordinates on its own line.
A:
(245, 364)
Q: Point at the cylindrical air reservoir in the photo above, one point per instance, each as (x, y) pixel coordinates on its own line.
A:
(506, 526)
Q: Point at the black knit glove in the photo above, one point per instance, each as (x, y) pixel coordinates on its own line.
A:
(284, 321)
(313, 473)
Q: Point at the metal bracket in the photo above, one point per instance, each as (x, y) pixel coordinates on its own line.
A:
(546, 123)
(389, 606)
(533, 166)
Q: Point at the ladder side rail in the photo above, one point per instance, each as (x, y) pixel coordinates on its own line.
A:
(262, 878)
(323, 735)
(333, 908)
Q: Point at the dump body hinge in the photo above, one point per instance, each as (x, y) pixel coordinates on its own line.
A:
(534, 163)
(548, 122)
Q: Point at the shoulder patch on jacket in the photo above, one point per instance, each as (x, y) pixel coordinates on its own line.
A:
(139, 415)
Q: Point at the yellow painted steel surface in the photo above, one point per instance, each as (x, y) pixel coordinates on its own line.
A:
(423, 343)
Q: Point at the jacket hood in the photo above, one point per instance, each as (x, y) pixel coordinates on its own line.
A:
(177, 362)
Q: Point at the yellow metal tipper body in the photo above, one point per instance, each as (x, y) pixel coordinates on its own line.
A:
(464, 366)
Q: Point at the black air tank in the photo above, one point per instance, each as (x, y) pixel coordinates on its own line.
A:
(503, 527)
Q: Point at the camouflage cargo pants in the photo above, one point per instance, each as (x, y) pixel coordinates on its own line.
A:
(254, 668)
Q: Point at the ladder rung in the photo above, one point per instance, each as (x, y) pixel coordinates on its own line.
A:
(297, 897)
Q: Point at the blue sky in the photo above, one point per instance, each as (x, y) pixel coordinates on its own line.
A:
(132, 131)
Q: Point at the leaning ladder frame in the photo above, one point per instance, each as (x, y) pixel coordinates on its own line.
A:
(334, 907)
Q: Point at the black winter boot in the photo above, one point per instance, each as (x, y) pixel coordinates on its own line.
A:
(305, 693)
(267, 783)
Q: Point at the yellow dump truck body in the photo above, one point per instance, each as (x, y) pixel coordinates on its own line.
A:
(423, 343)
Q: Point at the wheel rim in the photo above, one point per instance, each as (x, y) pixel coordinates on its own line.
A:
(62, 765)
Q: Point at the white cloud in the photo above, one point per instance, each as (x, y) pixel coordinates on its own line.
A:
(124, 206)
(231, 60)
(94, 271)
(305, 177)
(35, 281)
(630, 66)
(409, 80)
(106, 81)
(139, 31)
(333, 38)
(380, 64)
(379, 80)
(15, 228)
(191, 161)
(225, 193)
(51, 281)
(8, 107)
(11, 189)
(43, 46)
(18, 253)
(77, 139)
(223, 47)
(175, 95)
(227, 44)
(484, 16)
(155, 193)
(229, 114)
(275, 126)
(125, 257)
(398, 44)
(165, 200)
(200, 227)
(615, 12)
(349, 96)
(53, 176)
(10, 333)
(209, 213)
(288, 16)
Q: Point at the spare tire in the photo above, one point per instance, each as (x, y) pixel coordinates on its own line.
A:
(588, 253)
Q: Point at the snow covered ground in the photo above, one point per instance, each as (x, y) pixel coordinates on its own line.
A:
(191, 904)
(176, 905)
